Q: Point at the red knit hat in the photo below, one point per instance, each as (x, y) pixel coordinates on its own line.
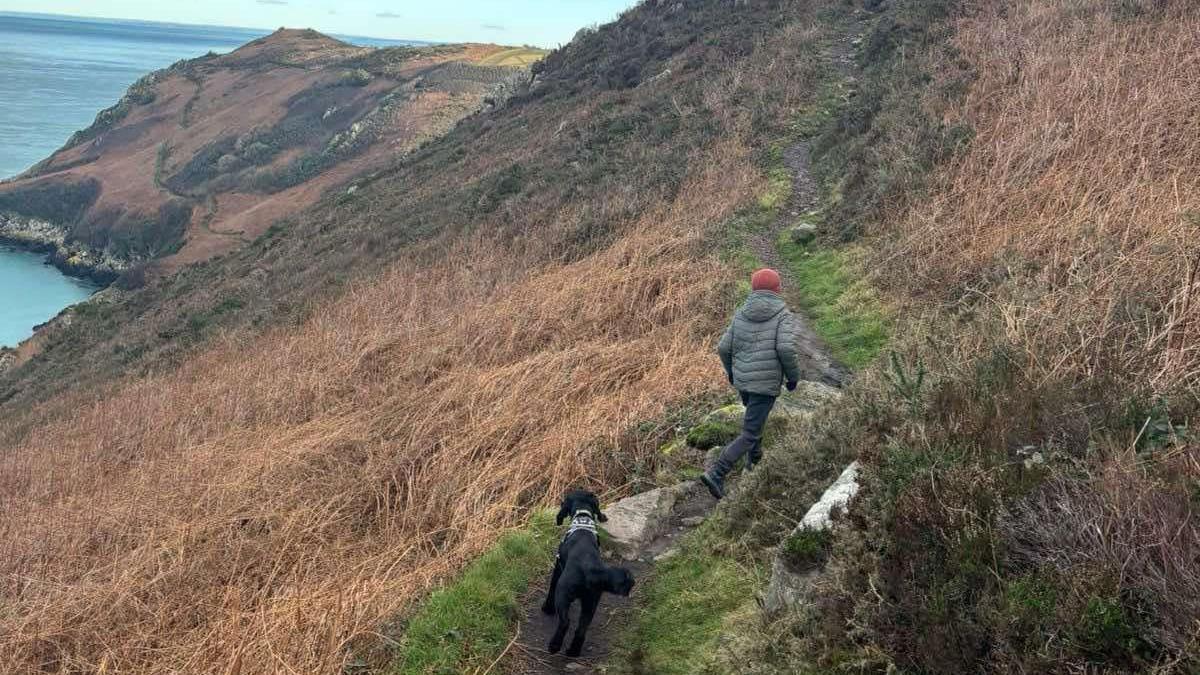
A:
(766, 280)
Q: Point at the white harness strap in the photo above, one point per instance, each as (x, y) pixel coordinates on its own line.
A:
(583, 520)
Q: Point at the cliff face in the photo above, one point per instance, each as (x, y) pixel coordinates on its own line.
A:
(202, 157)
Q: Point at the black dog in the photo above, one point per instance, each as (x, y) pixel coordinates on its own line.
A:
(578, 571)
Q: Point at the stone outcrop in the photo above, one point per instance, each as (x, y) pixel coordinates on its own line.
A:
(787, 585)
(72, 258)
(634, 521)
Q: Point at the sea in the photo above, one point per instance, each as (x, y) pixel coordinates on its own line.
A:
(56, 73)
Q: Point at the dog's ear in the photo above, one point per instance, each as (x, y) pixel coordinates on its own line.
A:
(594, 506)
(564, 512)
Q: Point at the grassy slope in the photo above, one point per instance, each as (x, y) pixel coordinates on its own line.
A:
(691, 597)
(967, 552)
(994, 444)
(466, 625)
(517, 56)
(318, 429)
(960, 556)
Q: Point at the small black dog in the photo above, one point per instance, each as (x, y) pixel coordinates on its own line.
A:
(578, 571)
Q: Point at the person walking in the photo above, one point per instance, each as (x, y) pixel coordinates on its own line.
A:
(759, 353)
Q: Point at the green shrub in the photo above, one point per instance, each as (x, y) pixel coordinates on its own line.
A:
(807, 549)
(355, 78)
(1106, 630)
(1028, 606)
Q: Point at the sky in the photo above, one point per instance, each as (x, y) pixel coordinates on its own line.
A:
(545, 23)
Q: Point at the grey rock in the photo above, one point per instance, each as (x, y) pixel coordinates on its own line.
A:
(808, 398)
(666, 555)
(802, 233)
(787, 587)
(43, 235)
(634, 521)
(734, 412)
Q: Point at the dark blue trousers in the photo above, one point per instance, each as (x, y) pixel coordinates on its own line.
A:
(758, 408)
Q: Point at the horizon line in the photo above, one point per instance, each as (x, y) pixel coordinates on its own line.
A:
(247, 29)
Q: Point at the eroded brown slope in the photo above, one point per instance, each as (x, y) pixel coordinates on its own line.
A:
(204, 156)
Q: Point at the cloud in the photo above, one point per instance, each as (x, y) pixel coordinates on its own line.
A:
(493, 26)
(388, 15)
(271, 2)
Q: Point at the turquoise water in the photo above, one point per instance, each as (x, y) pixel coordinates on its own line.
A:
(32, 292)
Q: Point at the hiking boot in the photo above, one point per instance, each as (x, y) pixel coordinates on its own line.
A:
(714, 484)
(752, 461)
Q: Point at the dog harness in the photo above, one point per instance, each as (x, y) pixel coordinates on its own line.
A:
(582, 521)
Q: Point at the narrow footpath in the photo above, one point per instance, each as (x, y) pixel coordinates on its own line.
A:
(527, 653)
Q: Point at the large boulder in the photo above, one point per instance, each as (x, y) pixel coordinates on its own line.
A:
(634, 521)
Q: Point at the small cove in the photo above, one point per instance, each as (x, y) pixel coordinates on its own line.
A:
(32, 292)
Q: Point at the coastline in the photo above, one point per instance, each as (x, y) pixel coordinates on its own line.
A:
(72, 259)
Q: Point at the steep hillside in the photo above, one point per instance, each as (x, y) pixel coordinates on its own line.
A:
(1021, 179)
(199, 159)
(256, 461)
(266, 460)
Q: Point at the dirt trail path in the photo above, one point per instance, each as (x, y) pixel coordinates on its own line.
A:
(527, 655)
(817, 363)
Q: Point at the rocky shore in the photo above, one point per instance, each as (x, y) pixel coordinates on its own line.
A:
(71, 258)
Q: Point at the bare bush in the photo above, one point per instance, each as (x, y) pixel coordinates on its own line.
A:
(1126, 524)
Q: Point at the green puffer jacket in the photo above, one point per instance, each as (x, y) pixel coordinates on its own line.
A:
(758, 349)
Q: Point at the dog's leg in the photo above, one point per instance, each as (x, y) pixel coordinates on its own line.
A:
(548, 605)
(586, 612)
(562, 607)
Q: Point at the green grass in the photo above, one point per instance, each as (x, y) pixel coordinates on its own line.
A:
(518, 56)
(467, 624)
(843, 307)
(684, 609)
(779, 183)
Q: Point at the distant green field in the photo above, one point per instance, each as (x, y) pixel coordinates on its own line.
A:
(518, 56)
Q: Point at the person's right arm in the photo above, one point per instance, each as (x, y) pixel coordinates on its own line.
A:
(725, 351)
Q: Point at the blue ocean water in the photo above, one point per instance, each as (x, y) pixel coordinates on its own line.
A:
(56, 73)
(32, 292)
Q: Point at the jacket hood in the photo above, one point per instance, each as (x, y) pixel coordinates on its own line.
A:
(762, 306)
